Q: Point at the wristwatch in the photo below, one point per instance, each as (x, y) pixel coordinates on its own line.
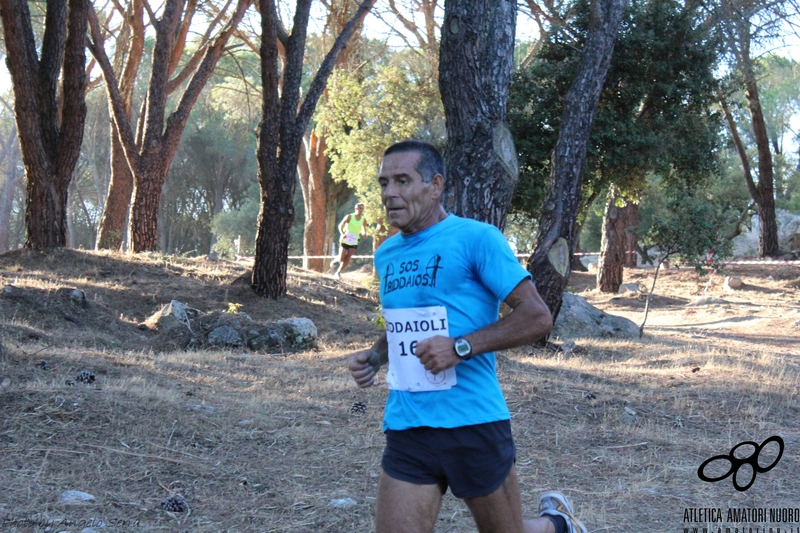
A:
(463, 348)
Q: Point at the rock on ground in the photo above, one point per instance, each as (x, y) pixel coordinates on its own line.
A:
(732, 283)
(578, 318)
(628, 287)
(169, 316)
(179, 326)
(75, 496)
(343, 503)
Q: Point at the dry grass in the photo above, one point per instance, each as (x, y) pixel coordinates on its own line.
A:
(263, 443)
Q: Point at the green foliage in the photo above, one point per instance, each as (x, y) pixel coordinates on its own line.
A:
(379, 320)
(521, 232)
(229, 225)
(367, 112)
(592, 229)
(243, 222)
(212, 170)
(233, 308)
(689, 225)
(654, 112)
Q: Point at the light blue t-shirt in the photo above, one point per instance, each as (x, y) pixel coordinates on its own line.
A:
(468, 267)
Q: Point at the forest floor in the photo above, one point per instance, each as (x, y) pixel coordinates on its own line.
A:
(259, 442)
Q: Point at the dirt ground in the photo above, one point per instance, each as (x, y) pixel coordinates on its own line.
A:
(259, 442)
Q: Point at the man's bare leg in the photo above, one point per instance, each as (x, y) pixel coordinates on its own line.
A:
(404, 507)
(501, 511)
(338, 258)
(346, 255)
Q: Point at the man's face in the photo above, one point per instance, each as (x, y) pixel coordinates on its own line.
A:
(411, 204)
(359, 209)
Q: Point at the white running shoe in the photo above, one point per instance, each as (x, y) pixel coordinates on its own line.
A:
(554, 503)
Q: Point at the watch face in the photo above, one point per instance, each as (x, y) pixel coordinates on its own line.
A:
(462, 347)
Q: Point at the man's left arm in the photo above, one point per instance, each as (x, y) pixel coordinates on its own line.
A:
(528, 321)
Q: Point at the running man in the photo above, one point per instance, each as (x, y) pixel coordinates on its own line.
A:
(352, 227)
(442, 279)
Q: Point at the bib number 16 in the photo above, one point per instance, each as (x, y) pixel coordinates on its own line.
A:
(412, 347)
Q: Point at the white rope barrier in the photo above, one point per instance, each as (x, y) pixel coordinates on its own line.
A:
(761, 262)
(732, 262)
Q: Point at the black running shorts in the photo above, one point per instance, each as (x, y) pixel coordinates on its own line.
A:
(473, 461)
(349, 246)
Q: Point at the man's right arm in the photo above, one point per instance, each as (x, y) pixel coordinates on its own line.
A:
(343, 224)
(364, 365)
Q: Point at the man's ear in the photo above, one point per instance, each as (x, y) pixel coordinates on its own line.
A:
(437, 186)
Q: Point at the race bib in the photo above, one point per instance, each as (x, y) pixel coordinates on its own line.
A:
(404, 329)
(350, 238)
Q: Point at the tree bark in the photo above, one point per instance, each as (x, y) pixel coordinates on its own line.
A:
(768, 225)
(549, 263)
(612, 246)
(475, 67)
(129, 50)
(143, 225)
(280, 134)
(630, 216)
(50, 128)
(312, 180)
(118, 200)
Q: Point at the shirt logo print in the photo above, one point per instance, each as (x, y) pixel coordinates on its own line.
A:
(407, 274)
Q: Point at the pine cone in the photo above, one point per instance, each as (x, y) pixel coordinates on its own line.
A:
(85, 377)
(358, 408)
(175, 504)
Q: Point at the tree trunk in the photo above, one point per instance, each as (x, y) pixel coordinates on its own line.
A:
(549, 263)
(50, 127)
(612, 246)
(143, 227)
(475, 67)
(280, 133)
(272, 245)
(45, 214)
(118, 200)
(311, 167)
(630, 217)
(128, 50)
(768, 225)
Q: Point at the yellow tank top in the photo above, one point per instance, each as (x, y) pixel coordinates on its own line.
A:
(353, 232)
(354, 226)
